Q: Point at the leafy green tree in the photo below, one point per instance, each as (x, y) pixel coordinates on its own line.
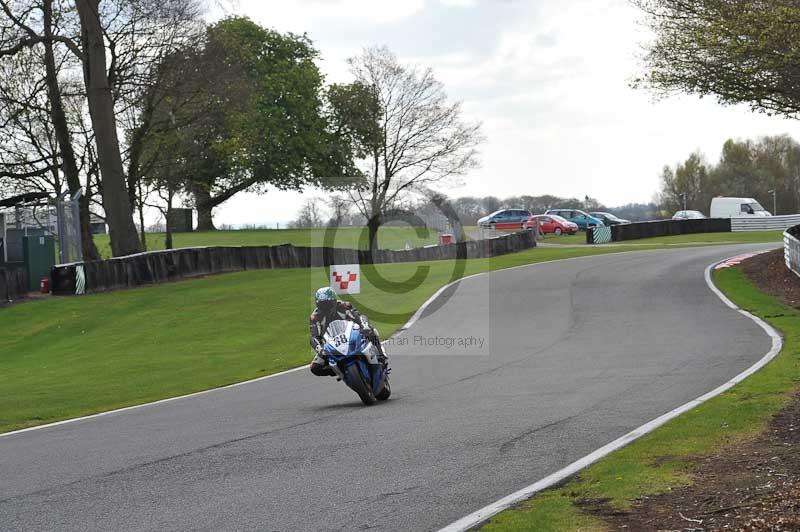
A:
(777, 159)
(746, 168)
(739, 51)
(690, 180)
(254, 117)
(736, 171)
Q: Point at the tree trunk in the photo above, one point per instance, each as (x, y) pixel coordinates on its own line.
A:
(119, 215)
(204, 205)
(59, 118)
(168, 216)
(373, 224)
(141, 216)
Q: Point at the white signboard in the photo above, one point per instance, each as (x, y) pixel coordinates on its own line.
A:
(346, 279)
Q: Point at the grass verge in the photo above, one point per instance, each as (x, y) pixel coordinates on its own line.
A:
(664, 459)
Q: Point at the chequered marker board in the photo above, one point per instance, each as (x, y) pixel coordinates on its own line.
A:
(346, 279)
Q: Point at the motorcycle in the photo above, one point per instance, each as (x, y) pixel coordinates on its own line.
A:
(355, 360)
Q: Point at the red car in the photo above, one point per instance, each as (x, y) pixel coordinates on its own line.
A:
(551, 223)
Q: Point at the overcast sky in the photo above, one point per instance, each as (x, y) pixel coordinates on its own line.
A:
(549, 80)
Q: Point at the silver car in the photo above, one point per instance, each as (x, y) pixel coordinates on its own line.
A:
(688, 215)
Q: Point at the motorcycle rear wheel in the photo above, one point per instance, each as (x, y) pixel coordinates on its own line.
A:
(356, 382)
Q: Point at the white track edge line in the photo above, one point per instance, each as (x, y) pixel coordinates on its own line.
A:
(476, 518)
(414, 318)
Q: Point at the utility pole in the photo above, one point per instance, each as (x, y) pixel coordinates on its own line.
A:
(684, 200)
(774, 193)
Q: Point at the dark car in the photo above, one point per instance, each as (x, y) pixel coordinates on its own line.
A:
(508, 219)
(609, 219)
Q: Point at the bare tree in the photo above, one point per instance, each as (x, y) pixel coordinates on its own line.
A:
(32, 49)
(113, 43)
(340, 207)
(416, 138)
(309, 215)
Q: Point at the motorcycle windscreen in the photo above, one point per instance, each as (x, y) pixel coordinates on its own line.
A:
(338, 336)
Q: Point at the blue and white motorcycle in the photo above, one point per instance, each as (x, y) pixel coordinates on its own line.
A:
(356, 361)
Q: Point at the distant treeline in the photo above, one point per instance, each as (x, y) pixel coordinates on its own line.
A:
(747, 168)
(316, 212)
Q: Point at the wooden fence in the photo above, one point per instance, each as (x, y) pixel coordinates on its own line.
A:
(173, 265)
(13, 285)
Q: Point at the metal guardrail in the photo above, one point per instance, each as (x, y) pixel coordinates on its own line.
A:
(791, 249)
(767, 223)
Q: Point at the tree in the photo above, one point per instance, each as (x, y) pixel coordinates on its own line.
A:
(340, 208)
(778, 158)
(736, 170)
(409, 135)
(490, 204)
(119, 215)
(690, 178)
(309, 215)
(113, 43)
(746, 168)
(254, 117)
(737, 50)
(468, 209)
(28, 47)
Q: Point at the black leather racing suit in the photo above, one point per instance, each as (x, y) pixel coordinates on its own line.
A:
(318, 323)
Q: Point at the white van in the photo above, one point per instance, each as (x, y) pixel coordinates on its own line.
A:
(737, 208)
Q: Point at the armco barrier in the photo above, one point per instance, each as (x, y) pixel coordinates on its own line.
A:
(767, 223)
(635, 231)
(13, 284)
(173, 265)
(791, 248)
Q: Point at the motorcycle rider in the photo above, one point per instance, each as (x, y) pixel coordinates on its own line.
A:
(329, 309)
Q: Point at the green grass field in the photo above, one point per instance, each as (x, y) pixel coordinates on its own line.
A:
(67, 357)
(346, 237)
(664, 459)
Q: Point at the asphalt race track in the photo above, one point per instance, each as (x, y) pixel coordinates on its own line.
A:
(575, 354)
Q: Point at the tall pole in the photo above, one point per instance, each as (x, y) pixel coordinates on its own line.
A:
(684, 200)
(774, 193)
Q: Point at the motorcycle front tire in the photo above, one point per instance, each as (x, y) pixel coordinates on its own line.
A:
(385, 392)
(357, 384)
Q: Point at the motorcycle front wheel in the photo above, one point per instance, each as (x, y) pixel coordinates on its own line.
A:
(385, 392)
(357, 384)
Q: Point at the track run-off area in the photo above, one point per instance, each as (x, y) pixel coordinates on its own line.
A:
(504, 379)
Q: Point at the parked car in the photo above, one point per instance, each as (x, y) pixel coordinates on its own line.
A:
(737, 208)
(509, 219)
(609, 219)
(551, 224)
(582, 219)
(688, 215)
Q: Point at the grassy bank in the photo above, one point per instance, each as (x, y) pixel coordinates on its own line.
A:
(664, 459)
(66, 357)
(346, 237)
